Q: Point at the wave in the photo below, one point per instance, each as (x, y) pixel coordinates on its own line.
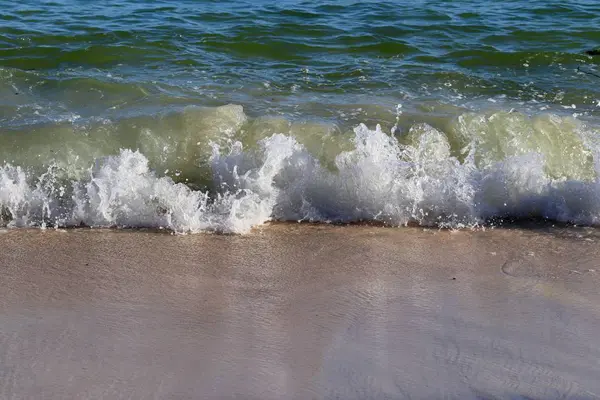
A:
(499, 165)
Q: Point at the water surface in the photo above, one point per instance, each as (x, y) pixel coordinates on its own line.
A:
(485, 110)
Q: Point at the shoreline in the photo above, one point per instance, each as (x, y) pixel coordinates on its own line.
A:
(301, 311)
(510, 224)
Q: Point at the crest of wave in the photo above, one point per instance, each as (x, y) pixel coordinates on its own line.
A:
(380, 180)
(122, 191)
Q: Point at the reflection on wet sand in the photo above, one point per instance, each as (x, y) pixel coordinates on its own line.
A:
(300, 311)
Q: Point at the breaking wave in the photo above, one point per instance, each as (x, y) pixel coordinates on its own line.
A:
(500, 165)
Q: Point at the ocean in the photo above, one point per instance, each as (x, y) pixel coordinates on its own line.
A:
(211, 116)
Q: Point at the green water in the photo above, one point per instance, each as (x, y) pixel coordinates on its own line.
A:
(81, 59)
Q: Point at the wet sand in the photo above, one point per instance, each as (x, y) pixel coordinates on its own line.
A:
(301, 312)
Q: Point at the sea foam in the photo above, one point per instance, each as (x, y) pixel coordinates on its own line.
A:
(378, 180)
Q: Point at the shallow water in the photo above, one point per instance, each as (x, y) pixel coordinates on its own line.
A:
(485, 111)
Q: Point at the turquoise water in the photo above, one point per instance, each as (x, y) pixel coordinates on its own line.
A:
(228, 114)
(83, 57)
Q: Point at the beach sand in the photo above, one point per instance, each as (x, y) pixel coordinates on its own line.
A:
(301, 312)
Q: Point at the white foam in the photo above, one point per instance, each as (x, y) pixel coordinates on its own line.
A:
(380, 180)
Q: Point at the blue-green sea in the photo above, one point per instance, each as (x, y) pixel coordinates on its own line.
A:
(213, 115)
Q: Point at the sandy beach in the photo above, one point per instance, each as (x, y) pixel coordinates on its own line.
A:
(301, 312)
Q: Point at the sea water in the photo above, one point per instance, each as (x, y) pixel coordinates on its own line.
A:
(219, 116)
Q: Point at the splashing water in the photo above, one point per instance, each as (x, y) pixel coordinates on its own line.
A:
(413, 178)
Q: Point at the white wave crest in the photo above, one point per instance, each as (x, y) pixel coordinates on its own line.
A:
(379, 180)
